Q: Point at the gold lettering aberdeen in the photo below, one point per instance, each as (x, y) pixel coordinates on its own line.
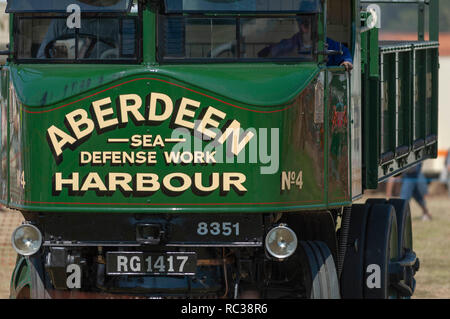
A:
(104, 116)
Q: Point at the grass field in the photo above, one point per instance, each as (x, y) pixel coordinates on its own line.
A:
(431, 243)
(431, 240)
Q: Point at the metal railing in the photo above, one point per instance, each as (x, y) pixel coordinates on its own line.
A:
(433, 27)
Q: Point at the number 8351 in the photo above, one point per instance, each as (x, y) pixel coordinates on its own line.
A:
(216, 228)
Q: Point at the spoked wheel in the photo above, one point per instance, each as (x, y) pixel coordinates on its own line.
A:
(319, 270)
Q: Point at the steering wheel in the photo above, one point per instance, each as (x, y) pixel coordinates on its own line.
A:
(110, 54)
(92, 43)
(224, 48)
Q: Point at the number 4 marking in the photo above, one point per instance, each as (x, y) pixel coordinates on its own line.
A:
(299, 181)
(289, 178)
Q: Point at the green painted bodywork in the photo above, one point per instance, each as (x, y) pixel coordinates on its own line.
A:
(267, 105)
(338, 158)
(267, 96)
(46, 86)
(272, 98)
(21, 277)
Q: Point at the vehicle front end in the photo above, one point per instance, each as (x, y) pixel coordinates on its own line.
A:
(156, 150)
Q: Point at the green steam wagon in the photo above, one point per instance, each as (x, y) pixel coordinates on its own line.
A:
(210, 148)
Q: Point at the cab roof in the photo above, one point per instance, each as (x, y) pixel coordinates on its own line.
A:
(22, 6)
(242, 6)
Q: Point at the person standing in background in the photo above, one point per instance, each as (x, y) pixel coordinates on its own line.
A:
(414, 185)
(446, 172)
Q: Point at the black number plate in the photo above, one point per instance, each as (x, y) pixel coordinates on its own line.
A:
(215, 229)
(139, 263)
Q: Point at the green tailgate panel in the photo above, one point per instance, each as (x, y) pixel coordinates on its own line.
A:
(401, 105)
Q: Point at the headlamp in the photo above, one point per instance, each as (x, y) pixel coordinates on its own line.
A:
(26, 240)
(281, 242)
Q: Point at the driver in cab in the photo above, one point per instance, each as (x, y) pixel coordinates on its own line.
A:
(301, 42)
(96, 37)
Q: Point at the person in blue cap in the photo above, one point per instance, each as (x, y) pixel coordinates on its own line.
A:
(300, 44)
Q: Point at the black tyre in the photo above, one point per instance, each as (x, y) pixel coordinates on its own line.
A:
(373, 247)
(403, 213)
(319, 270)
(404, 280)
(381, 249)
(352, 275)
(37, 281)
